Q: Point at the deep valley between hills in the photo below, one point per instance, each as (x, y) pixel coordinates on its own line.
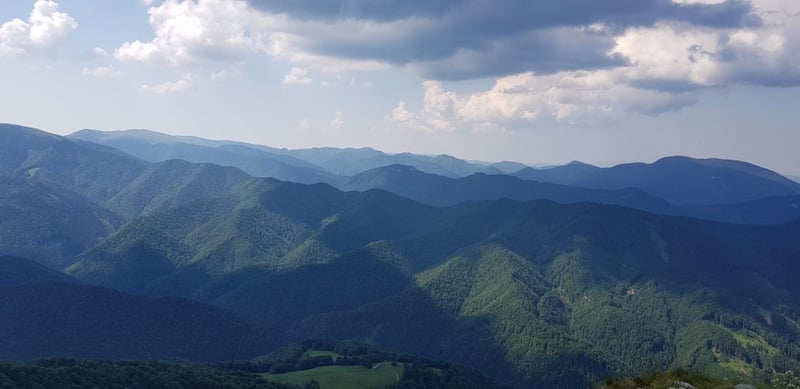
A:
(215, 252)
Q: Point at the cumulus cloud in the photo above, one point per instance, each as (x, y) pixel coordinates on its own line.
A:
(297, 76)
(99, 52)
(663, 67)
(186, 32)
(564, 61)
(170, 86)
(523, 99)
(102, 72)
(667, 55)
(45, 27)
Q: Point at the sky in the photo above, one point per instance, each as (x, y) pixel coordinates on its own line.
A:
(540, 82)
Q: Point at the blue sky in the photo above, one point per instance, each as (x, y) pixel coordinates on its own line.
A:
(536, 82)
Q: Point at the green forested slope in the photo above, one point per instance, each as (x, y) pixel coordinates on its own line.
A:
(49, 223)
(535, 294)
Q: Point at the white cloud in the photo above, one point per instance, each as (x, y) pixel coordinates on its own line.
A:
(587, 71)
(523, 99)
(170, 86)
(99, 52)
(45, 27)
(338, 121)
(297, 76)
(711, 58)
(102, 72)
(188, 31)
(669, 64)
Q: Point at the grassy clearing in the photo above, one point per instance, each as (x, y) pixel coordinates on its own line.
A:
(321, 353)
(343, 377)
(32, 172)
(751, 339)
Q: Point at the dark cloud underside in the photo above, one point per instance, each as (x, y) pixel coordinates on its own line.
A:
(458, 39)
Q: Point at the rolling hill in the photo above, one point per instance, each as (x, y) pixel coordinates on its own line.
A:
(679, 180)
(94, 171)
(532, 289)
(445, 191)
(48, 222)
(533, 293)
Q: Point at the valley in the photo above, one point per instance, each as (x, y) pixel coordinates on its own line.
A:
(529, 283)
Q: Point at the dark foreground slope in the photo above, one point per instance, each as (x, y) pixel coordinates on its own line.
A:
(44, 313)
(71, 374)
(310, 364)
(67, 320)
(16, 271)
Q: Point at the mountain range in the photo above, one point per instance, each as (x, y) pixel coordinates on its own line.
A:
(672, 185)
(303, 165)
(679, 180)
(533, 283)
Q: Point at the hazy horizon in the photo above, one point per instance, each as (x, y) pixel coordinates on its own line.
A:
(535, 164)
(701, 78)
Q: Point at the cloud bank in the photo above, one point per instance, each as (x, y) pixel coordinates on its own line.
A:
(565, 61)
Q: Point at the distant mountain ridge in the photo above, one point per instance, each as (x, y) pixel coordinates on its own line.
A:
(679, 180)
(256, 160)
(313, 165)
(445, 191)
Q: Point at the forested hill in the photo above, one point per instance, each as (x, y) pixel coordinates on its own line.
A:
(531, 293)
